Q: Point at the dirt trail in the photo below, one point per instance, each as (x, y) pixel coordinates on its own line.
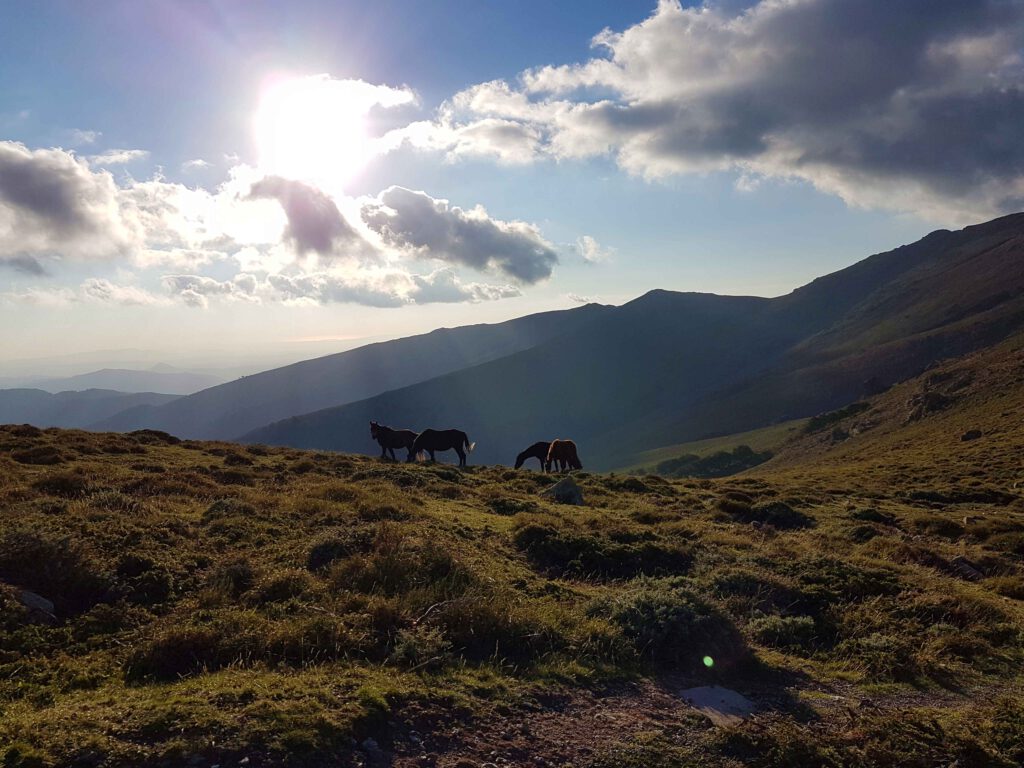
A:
(572, 729)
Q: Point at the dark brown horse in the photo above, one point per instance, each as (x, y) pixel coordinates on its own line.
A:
(563, 454)
(431, 440)
(390, 439)
(538, 451)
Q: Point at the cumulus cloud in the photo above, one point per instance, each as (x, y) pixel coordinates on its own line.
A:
(913, 105)
(98, 289)
(194, 165)
(195, 290)
(51, 202)
(432, 228)
(314, 221)
(118, 156)
(385, 288)
(592, 251)
(94, 290)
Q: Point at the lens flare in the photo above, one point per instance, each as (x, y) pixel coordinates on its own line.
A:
(709, 662)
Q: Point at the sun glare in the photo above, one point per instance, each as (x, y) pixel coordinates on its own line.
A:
(315, 128)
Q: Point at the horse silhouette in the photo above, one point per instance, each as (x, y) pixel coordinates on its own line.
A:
(538, 451)
(563, 454)
(431, 440)
(390, 439)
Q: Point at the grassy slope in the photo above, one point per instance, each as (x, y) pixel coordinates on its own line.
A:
(765, 439)
(220, 602)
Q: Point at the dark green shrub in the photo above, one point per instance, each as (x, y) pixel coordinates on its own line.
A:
(69, 485)
(566, 552)
(507, 506)
(39, 455)
(786, 632)
(56, 569)
(670, 625)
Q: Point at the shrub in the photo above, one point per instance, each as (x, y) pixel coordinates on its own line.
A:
(777, 514)
(869, 515)
(421, 647)
(57, 569)
(38, 454)
(1007, 586)
(69, 485)
(507, 506)
(566, 552)
(337, 545)
(668, 624)
(786, 632)
(284, 585)
(233, 578)
(882, 657)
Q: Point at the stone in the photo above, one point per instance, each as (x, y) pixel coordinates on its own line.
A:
(971, 434)
(720, 705)
(40, 609)
(565, 491)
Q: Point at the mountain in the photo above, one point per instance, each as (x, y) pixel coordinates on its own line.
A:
(70, 409)
(231, 409)
(670, 367)
(165, 379)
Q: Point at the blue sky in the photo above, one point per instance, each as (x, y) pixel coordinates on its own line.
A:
(481, 160)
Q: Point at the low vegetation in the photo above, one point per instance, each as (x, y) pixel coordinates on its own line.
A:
(217, 604)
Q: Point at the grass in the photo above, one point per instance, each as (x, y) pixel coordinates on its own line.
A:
(216, 602)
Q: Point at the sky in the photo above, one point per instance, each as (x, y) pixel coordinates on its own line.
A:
(241, 180)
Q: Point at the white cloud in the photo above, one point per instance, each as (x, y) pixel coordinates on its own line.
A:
(432, 228)
(80, 137)
(118, 156)
(912, 106)
(195, 290)
(98, 289)
(592, 251)
(194, 165)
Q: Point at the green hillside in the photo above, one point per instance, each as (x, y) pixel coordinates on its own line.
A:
(218, 604)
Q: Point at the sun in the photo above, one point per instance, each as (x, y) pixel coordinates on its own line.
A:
(315, 128)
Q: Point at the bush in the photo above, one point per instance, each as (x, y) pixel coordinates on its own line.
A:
(233, 578)
(786, 632)
(57, 569)
(777, 514)
(720, 464)
(573, 553)
(69, 485)
(882, 657)
(670, 625)
(284, 585)
(338, 545)
(38, 454)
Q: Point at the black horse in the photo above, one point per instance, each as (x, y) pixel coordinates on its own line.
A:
(538, 451)
(431, 440)
(390, 439)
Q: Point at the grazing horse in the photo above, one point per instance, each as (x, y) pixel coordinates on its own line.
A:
(431, 440)
(563, 454)
(538, 451)
(390, 439)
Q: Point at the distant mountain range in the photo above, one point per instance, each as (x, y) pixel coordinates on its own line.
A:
(161, 378)
(663, 369)
(670, 367)
(70, 409)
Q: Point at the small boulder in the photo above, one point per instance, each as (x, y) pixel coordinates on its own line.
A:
(40, 609)
(971, 434)
(565, 491)
(721, 706)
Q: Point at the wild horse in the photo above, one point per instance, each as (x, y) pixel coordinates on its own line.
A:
(431, 440)
(538, 451)
(562, 453)
(390, 439)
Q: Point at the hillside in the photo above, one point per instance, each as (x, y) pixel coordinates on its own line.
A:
(669, 368)
(224, 604)
(231, 409)
(71, 409)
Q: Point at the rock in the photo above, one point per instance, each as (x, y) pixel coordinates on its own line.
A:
(565, 491)
(720, 705)
(966, 569)
(40, 609)
(971, 434)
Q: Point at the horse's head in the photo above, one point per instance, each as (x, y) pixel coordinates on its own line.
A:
(374, 429)
(520, 459)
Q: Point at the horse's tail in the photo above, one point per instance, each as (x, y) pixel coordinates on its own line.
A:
(469, 446)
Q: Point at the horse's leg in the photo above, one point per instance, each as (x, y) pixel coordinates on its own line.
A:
(462, 455)
(431, 452)
(392, 452)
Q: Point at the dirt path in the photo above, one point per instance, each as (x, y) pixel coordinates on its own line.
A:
(574, 728)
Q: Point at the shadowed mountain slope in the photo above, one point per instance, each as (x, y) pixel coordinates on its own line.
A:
(231, 409)
(71, 409)
(670, 367)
